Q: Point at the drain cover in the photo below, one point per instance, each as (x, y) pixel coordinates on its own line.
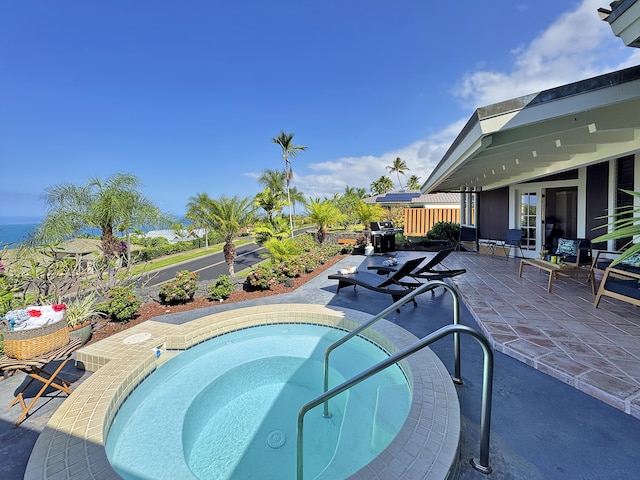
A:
(276, 439)
(136, 338)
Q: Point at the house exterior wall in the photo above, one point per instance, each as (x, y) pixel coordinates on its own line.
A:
(493, 213)
(596, 187)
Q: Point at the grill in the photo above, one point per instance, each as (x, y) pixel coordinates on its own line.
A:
(383, 236)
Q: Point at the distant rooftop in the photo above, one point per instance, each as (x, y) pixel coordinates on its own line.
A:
(414, 198)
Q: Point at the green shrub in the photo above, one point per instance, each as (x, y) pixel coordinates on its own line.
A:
(181, 289)
(221, 288)
(444, 231)
(262, 277)
(122, 303)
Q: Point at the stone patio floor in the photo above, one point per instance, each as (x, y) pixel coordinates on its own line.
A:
(596, 350)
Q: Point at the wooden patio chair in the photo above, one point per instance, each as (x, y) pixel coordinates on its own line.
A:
(35, 368)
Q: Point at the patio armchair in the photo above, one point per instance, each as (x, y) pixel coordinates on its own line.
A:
(512, 239)
(576, 251)
(621, 281)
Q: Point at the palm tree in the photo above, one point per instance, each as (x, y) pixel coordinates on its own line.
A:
(381, 185)
(323, 214)
(198, 212)
(413, 183)
(399, 166)
(270, 201)
(369, 212)
(230, 215)
(276, 180)
(139, 211)
(296, 196)
(289, 150)
(358, 192)
(105, 205)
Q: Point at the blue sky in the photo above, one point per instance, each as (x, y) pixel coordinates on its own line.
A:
(187, 95)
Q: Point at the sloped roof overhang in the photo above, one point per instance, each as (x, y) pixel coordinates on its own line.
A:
(553, 131)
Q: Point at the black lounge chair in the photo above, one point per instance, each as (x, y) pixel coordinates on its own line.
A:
(392, 285)
(428, 270)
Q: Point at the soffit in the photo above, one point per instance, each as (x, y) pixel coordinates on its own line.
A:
(535, 140)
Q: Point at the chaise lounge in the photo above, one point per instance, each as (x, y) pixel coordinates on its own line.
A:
(428, 271)
(393, 285)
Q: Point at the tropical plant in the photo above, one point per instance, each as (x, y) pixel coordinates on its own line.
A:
(264, 231)
(381, 185)
(413, 183)
(229, 216)
(270, 201)
(296, 196)
(82, 309)
(198, 211)
(624, 224)
(400, 167)
(221, 288)
(106, 205)
(281, 249)
(181, 289)
(323, 214)
(289, 150)
(122, 303)
(276, 180)
(369, 212)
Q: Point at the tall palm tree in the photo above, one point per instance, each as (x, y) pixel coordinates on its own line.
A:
(323, 213)
(400, 167)
(289, 150)
(102, 204)
(381, 185)
(198, 212)
(229, 216)
(413, 183)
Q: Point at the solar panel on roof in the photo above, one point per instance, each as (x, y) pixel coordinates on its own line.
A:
(398, 197)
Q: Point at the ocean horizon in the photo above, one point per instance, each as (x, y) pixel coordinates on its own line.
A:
(14, 233)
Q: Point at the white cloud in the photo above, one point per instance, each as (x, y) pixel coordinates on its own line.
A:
(421, 157)
(577, 45)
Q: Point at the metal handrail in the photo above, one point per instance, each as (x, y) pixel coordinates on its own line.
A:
(431, 285)
(482, 465)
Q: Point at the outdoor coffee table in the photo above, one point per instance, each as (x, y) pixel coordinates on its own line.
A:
(556, 270)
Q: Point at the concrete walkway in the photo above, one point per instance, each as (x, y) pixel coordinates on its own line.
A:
(542, 428)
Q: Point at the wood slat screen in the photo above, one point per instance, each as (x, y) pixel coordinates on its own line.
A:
(418, 221)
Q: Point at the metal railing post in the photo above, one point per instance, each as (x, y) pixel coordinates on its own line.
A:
(482, 465)
(431, 285)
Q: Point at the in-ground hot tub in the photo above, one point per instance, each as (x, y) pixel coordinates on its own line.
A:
(426, 447)
(228, 408)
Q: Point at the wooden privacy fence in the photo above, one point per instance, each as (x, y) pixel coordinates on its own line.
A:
(418, 221)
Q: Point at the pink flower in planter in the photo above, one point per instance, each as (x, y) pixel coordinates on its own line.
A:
(35, 313)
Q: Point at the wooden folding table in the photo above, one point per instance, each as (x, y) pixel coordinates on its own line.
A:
(35, 368)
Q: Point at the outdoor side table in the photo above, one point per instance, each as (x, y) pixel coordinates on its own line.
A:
(35, 368)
